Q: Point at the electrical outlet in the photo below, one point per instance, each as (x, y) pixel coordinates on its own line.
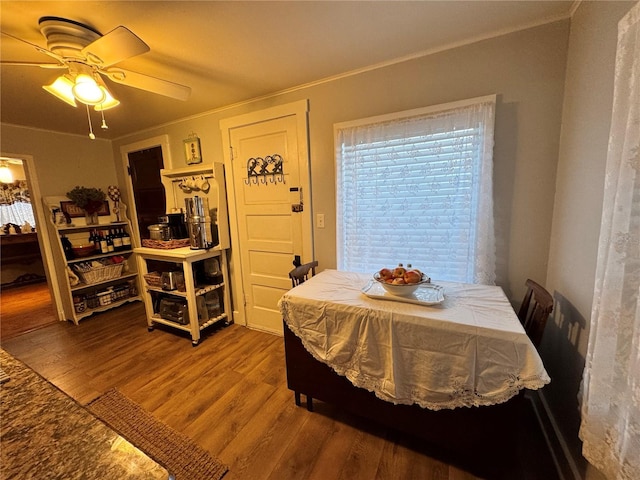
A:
(320, 220)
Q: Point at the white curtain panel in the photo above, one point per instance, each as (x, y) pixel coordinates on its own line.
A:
(610, 428)
(17, 213)
(15, 204)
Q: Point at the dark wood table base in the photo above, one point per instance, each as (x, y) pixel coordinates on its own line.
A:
(482, 440)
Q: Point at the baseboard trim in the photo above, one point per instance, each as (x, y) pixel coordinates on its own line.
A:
(565, 462)
(23, 280)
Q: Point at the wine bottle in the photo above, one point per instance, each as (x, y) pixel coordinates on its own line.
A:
(104, 248)
(117, 240)
(126, 240)
(67, 247)
(110, 247)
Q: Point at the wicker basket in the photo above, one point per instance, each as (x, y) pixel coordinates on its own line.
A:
(165, 244)
(153, 279)
(101, 274)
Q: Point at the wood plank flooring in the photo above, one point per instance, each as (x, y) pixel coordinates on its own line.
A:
(229, 395)
(25, 308)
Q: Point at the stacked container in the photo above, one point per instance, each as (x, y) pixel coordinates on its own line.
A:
(201, 235)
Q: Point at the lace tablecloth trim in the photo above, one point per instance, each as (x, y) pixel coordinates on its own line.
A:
(459, 396)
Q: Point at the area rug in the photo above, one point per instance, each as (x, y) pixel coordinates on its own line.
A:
(176, 452)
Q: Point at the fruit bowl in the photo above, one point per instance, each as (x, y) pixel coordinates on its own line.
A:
(400, 289)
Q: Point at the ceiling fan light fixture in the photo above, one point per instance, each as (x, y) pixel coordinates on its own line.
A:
(108, 102)
(87, 90)
(88, 56)
(62, 88)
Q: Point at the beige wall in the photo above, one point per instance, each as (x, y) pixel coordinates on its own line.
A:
(578, 206)
(526, 71)
(61, 161)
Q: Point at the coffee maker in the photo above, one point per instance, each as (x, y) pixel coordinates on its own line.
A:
(199, 226)
(177, 229)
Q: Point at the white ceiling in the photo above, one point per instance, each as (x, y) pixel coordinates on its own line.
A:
(234, 51)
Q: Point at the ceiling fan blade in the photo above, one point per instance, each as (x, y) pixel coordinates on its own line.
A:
(150, 84)
(33, 64)
(117, 45)
(36, 47)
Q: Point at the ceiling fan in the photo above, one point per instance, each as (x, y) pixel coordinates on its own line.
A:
(86, 55)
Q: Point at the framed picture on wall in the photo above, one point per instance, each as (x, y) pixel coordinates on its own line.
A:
(75, 211)
(192, 150)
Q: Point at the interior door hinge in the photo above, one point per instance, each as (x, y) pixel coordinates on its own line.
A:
(231, 152)
(128, 170)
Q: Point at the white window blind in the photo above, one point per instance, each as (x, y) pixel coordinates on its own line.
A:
(416, 187)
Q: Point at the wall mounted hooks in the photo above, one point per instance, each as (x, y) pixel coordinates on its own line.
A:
(265, 170)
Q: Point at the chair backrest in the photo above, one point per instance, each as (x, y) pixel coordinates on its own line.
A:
(535, 310)
(300, 274)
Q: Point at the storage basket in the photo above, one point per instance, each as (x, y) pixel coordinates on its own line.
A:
(120, 292)
(105, 297)
(153, 279)
(93, 301)
(165, 244)
(100, 274)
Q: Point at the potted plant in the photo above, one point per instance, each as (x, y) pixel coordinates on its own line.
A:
(90, 199)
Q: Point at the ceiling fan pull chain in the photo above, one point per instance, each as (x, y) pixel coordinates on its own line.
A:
(91, 135)
(104, 125)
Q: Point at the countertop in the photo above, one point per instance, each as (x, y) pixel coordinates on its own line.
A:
(47, 435)
(182, 253)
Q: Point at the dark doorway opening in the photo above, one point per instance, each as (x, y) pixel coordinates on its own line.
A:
(148, 191)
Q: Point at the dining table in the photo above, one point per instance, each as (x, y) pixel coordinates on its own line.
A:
(449, 362)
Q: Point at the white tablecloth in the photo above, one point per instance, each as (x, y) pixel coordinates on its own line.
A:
(469, 350)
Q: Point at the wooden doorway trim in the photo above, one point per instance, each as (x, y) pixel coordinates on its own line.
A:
(300, 109)
(44, 240)
(161, 141)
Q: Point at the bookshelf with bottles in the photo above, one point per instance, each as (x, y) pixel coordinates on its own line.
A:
(94, 264)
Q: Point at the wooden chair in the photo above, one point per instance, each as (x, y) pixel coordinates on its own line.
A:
(535, 310)
(301, 274)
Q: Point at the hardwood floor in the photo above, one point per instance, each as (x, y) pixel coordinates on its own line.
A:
(229, 395)
(25, 308)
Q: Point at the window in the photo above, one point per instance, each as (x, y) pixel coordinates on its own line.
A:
(416, 187)
(15, 204)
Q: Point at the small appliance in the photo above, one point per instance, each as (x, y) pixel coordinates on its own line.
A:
(173, 281)
(175, 310)
(201, 234)
(159, 231)
(209, 306)
(177, 230)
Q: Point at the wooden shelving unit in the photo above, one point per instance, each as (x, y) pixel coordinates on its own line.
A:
(81, 300)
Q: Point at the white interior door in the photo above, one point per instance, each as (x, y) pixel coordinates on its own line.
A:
(270, 228)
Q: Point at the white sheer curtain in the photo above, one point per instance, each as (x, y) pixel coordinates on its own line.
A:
(610, 428)
(15, 204)
(416, 187)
